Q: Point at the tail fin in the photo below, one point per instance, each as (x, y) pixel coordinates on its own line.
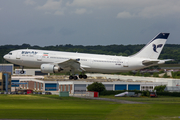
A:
(153, 49)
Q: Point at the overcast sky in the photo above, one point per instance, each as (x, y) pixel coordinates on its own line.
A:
(87, 22)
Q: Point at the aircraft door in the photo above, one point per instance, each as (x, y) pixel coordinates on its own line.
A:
(126, 62)
(18, 55)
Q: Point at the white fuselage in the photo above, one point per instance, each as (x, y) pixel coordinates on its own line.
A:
(89, 62)
(54, 61)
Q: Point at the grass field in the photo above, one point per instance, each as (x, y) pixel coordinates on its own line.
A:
(54, 107)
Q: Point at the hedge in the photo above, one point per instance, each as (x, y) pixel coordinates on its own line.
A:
(145, 93)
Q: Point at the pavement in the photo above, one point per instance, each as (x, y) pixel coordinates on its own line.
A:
(113, 100)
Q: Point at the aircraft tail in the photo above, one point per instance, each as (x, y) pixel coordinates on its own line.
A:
(153, 49)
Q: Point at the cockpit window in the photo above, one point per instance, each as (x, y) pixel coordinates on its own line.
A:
(10, 53)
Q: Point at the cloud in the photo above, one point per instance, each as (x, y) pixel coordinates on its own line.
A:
(160, 10)
(83, 3)
(95, 3)
(29, 2)
(59, 13)
(123, 8)
(51, 5)
(132, 8)
(124, 15)
(80, 11)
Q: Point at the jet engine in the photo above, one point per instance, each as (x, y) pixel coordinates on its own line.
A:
(49, 68)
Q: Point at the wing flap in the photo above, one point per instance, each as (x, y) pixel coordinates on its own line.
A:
(72, 64)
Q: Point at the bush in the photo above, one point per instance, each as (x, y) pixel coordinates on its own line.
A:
(160, 88)
(174, 94)
(165, 76)
(155, 74)
(144, 93)
(138, 73)
(162, 71)
(147, 74)
(98, 87)
(118, 92)
(176, 74)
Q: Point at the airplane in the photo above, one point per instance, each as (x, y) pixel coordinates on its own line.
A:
(55, 61)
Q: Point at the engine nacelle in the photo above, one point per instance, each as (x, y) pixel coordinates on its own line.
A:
(49, 68)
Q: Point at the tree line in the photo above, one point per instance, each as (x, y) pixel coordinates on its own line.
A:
(170, 51)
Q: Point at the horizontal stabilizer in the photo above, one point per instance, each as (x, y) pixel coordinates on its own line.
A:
(168, 60)
(148, 62)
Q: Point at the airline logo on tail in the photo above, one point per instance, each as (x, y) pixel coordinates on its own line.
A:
(156, 46)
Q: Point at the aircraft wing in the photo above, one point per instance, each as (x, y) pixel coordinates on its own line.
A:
(71, 63)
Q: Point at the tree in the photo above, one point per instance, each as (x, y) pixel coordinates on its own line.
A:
(147, 74)
(155, 74)
(165, 76)
(98, 87)
(160, 88)
(138, 73)
(176, 74)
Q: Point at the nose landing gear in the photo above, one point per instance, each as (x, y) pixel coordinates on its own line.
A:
(22, 71)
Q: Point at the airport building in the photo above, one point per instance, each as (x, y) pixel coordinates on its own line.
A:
(111, 82)
(35, 80)
(7, 68)
(80, 86)
(5, 81)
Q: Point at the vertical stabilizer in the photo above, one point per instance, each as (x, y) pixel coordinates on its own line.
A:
(153, 49)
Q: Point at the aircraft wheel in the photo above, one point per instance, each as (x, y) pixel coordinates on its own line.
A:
(22, 71)
(80, 76)
(75, 77)
(71, 77)
(85, 76)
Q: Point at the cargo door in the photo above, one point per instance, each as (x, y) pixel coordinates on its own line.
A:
(39, 57)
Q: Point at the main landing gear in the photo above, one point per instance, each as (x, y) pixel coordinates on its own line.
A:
(73, 77)
(83, 76)
(76, 77)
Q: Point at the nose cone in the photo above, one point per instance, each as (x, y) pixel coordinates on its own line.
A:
(5, 57)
